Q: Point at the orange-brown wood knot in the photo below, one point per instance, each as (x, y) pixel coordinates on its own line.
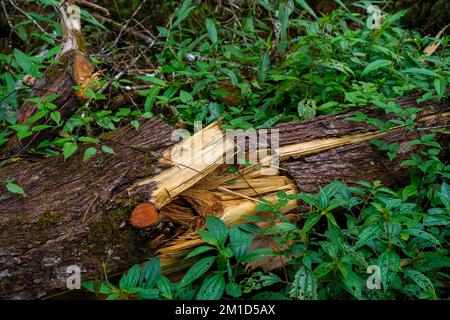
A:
(83, 73)
(144, 216)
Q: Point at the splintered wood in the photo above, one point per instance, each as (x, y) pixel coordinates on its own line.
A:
(191, 189)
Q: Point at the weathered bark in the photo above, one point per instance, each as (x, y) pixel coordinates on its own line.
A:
(360, 161)
(70, 215)
(76, 213)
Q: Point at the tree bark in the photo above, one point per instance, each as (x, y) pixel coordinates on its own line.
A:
(76, 213)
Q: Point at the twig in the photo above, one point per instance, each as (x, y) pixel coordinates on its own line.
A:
(34, 22)
(119, 27)
(238, 194)
(125, 26)
(92, 6)
(7, 16)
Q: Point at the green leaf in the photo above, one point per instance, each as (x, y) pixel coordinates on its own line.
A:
(422, 71)
(69, 149)
(421, 234)
(149, 273)
(444, 194)
(389, 263)
(186, 97)
(304, 286)
(216, 228)
(375, 65)
(165, 286)
(422, 281)
(233, 289)
(240, 242)
(96, 287)
(88, 140)
(134, 124)
(131, 278)
(56, 116)
(269, 295)
(199, 250)
(107, 150)
(14, 188)
(305, 6)
(439, 86)
(369, 233)
(263, 67)
(88, 153)
(152, 80)
(197, 270)
(352, 282)
(182, 13)
(24, 61)
(323, 269)
(148, 294)
(310, 223)
(212, 31)
(212, 288)
(207, 237)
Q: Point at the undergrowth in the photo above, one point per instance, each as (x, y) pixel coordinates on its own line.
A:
(254, 67)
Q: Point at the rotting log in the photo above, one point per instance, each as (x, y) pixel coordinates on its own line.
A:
(77, 213)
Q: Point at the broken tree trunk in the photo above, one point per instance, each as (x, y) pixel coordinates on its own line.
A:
(77, 213)
(73, 68)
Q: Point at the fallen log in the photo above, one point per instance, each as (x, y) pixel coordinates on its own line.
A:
(77, 213)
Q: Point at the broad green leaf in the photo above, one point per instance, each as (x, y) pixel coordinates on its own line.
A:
(212, 31)
(421, 234)
(96, 287)
(352, 282)
(375, 65)
(134, 124)
(422, 281)
(69, 149)
(444, 194)
(216, 228)
(186, 97)
(233, 289)
(212, 288)
(369, 233)
(165, 286)
(422, 71)
(199, 250)
(24, 61)
(14, 188)
(310, 223)
(323, 269)
(131, 278)
(304, 286)
(152, 80)
(439, 86)
(269, 295)
(148, 294)
(197, 270)
(263, 67)
(107, 150)
(56, 116)
(389, 263)
(88, 153)
(149, 273)
(88, 139)
(240, 242)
